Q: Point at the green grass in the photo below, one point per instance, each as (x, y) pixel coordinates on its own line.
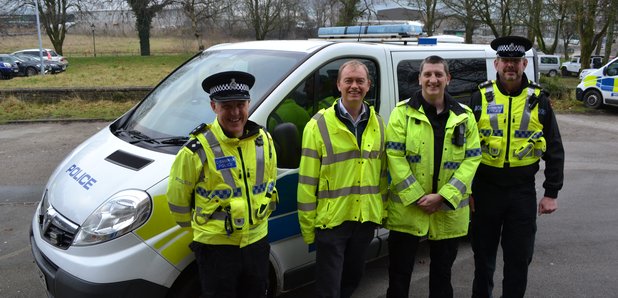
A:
(107, 71)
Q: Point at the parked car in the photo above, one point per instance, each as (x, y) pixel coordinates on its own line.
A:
(52, 67)
(27, 67)
(574, 65)
(8, 70)
(549, 64)
(48, 54)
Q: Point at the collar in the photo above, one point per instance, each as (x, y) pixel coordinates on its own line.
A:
(251, 128)
(450, 104)
(344, 112)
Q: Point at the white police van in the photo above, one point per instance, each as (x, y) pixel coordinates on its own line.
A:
(103, 227)
(600, 86)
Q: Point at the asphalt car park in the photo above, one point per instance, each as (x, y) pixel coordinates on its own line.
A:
(575, 253)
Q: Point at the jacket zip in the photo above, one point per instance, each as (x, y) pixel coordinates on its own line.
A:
(508, 134)
(244, 170)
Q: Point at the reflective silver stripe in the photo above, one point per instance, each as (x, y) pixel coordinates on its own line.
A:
(184, 224)
(346, 191)
(310, 153)
(395, 198)
(179, 209)
(307, 206)
(458, 184)
(219, 215)
(525, 118)
(381, 133)
(343, 156)
(462, 203)
(259, 167)
(202, 154)
(325, 137)
(218, 152)
(372, 154)
(307, 180)
(405, 183)
(493, 118)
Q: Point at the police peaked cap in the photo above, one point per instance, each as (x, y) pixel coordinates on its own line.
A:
(229, 85)
(511, 46)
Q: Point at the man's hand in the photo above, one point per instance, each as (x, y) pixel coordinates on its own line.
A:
(430, 203)
(547, 205)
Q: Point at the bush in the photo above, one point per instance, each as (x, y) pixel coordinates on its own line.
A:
(558, 87)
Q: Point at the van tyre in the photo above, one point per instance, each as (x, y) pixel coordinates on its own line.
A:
(593, 99)
(552, 73)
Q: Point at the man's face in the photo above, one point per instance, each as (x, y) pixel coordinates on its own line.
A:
(433, 80)
(510, 69)
(353, 84)
(232, 116)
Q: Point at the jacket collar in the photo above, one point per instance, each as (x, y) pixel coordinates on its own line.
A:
(449, 103)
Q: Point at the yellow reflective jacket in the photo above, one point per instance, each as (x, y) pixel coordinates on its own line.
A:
(338, 181)
(224, 188)
(509, 126)
(410, 152)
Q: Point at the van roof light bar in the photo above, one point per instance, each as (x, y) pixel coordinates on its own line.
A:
(372, 31)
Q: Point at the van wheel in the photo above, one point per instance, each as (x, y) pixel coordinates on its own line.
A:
(552, 73)
(187, 284)
(593, 99)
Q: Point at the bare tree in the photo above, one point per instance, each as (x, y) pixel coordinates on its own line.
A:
(547, 18)
(349, 12)
(496, 14)
(589, 14)
(263, 16)
(611, 22)
(199, 12)
(429, 15)
(463, 11)
(145, 11)
(53, 14)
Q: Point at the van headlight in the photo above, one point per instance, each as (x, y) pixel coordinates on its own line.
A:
(120, 214)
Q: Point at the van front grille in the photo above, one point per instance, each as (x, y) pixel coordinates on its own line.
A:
(56, 229)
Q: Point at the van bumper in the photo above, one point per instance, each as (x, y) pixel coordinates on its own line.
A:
(59, 283)
(579, 94)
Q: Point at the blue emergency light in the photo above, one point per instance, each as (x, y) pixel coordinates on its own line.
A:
(427, 41)
(401, 30)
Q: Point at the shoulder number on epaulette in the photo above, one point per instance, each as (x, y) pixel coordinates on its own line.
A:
(485, 84)
(193, 145)
(199, 129)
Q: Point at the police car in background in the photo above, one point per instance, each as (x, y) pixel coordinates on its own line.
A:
(103, 227)
(599, 86)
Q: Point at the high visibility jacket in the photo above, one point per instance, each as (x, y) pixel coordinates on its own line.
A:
(224, 188)
(509, 126)
(338, 180)
(410, 152)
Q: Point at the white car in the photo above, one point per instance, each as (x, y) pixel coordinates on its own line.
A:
(48, 54)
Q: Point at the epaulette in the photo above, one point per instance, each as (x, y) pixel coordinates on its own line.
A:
(199, 129)
(535, 85)
(486, 84)
(403, 102)
(193, 145)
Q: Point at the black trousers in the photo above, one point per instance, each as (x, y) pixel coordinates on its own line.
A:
(340, 258)
(402, 249)
(230, 271)
(505, 215)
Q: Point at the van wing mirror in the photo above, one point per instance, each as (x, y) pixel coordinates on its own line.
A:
(287, 145)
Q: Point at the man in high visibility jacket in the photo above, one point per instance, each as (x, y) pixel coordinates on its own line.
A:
(433, 150)
(222, 185)
(517, 127)
(342, 183)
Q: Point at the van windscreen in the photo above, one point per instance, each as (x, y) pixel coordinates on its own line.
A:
(179, 104)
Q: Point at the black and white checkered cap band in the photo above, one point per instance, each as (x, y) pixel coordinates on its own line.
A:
(511, 48)
(229, 87)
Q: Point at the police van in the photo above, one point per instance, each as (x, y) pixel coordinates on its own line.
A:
(600, 86)
(103, 227)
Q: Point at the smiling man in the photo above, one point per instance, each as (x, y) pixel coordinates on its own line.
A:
(342, 183)
(433, 150)
(222, 188)
(517, 128)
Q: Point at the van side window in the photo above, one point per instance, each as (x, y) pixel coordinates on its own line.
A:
(612, 69)
(317, 91)
(549, 60)
(466, 75)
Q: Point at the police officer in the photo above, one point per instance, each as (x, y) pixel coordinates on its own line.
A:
(433, 150)
(517, 128)
(342, 183)
(222, 185)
